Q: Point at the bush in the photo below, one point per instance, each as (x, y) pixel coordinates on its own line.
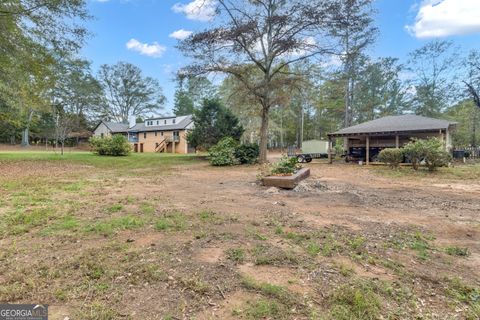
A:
(247, 153)
(413, 152)
(286, 166)
(223, 153)
(116, 145)
(431, 151)
(391, 156)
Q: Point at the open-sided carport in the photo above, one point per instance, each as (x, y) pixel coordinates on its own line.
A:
(367, 139)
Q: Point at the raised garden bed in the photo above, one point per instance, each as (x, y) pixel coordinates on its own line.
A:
(286, 182)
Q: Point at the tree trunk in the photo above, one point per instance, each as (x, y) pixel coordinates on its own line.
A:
(26, 131)
(62, 144)
(264, 136)
(25, 141)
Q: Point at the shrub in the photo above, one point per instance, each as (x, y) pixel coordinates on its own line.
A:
(116, 145)
(286, 166)
(391, 156)
(223, 153)
(434, 154)
(430, 150)
(247, 153)
(413, 152)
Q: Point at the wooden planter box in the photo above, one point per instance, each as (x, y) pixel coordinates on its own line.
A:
(286, 182)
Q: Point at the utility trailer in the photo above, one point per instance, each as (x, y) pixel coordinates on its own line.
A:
(311, 149)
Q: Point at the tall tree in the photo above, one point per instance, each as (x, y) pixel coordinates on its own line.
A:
(213, 122)
(269, 35)
(128, 92)
(467, 132)
(30, 31)
(190, 93)
(76, 90)
(472, 78)
(433, 66)
(379, 91)
(356, 32)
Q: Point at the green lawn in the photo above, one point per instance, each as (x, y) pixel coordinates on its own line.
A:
(459, 172)
(133, 161)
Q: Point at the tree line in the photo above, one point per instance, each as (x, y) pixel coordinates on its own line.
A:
(297, 70)
(48, 92)
(288, 70)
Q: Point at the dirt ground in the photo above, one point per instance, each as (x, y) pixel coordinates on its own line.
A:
(212, 243)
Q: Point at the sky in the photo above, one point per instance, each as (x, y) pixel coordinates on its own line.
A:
(145, 32)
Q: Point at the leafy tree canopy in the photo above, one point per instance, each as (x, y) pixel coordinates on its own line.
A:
(212, 123)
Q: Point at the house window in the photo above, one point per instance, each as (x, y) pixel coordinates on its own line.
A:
(173, 120)
(102, 134)
(165, 121)
(161, 133)
(158, 122)
(144, 135)
(175, 134)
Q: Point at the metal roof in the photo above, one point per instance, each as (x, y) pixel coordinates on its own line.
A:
(408, 122)
(141, 127)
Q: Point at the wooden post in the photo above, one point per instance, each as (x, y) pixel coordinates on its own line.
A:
(397, 141)
(330, 160)
(368, 151)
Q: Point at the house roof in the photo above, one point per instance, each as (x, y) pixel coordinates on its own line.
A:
(407, 122)
(182, 124)
(114, 127)
(117, 127)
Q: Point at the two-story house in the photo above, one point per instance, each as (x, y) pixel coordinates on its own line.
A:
(164, 134)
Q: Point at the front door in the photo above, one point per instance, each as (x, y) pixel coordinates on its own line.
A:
(141, 147)
(135, 147)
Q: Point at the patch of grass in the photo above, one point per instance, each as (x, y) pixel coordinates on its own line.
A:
(417, 241)
(235, 254)
(74, 187)
(313, 249)
(279, 230)
(133, 161)
(269, 255)
(354, 301)
(356, 242)
(175, 221)
(464, 293)
(99, 311)
(345, 270)
(462, 172)
(110, 226)
(67, 223)
(208, 216)
(196, 285)
(21, 220)
(114, 208)
(60, 294)
(297, 237)
(457, 251)
(265, 309)
(147, 209)
(150, 272)
(280, 293)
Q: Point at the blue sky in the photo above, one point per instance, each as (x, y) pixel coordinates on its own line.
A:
(139, 31)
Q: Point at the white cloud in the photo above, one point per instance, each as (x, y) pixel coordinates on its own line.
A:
(441, 18)
(152, 50)
(201, 10)
(180, 34)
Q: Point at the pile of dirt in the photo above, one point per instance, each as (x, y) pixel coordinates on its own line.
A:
(312, 186)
